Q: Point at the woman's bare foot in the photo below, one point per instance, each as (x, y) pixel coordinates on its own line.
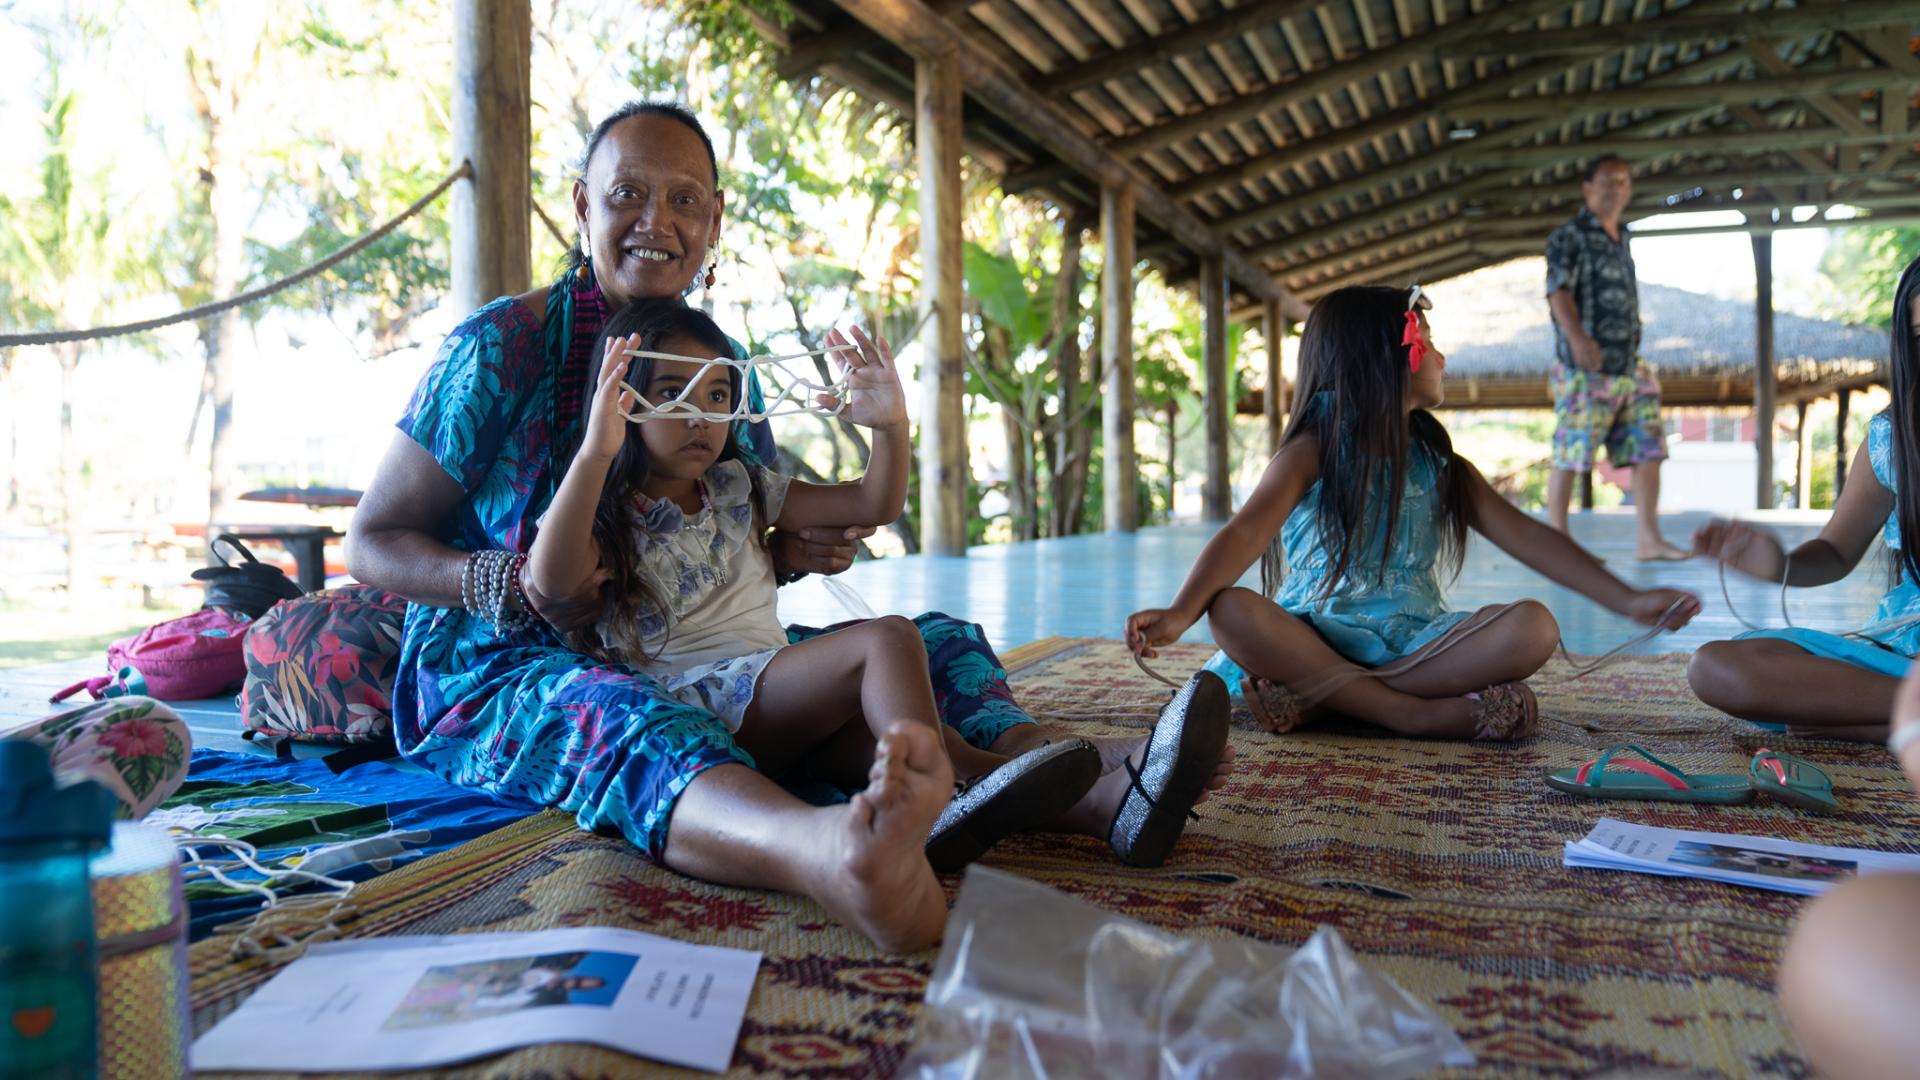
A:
(1658, 550)
(1093, 814)
(878, 881)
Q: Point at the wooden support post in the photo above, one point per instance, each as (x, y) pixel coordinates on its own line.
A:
(1118, 469)
(1277, 389)
(1763, 372)
(1802, 459)
(944, 476)
(493, 129)
(1218, 505)
(1842, 404)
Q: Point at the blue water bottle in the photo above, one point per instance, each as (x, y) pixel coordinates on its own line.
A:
(48, 990)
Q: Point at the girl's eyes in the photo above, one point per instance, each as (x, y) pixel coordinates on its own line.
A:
(720, 397)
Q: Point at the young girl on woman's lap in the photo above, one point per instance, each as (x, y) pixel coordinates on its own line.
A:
(675, 520)
(1366, 499)
(1840, 685)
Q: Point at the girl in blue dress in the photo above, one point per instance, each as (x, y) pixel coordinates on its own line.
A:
(1840, 685)
(1366, 502)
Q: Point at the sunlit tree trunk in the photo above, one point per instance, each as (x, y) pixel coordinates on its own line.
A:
(1065, 506)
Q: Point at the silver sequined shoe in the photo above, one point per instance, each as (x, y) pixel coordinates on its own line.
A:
(1034, 788)
(1180, 757)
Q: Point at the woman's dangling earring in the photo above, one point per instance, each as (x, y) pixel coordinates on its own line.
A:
(583, 256)
(711, 267)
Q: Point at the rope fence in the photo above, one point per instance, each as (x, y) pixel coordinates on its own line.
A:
(195, 314)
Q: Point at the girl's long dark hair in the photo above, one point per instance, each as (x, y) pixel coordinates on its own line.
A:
(1904, 378)
(616, 520)
(1352, 393)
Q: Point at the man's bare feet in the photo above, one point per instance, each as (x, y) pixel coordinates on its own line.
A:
(878, 880)
(1658, 550)
(1093, 814)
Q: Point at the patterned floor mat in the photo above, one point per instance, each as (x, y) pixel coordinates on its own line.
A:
(1439, 862)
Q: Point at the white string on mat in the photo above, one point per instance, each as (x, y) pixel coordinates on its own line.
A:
(285, 925)
(794, 396)
(1872, 632)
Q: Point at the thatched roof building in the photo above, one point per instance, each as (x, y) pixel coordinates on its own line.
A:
(1499, 341)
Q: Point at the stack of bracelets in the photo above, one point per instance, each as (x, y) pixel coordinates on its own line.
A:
(486, 582)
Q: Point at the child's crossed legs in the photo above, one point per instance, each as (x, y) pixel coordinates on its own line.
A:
(1509, 642)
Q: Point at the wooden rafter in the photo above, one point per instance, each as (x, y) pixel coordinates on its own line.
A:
(913, 27)
(1325, 80)
(1684, 28)
(1716, 94)
(1166, 48)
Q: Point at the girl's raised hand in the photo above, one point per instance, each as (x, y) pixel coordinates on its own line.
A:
(1150, 629)
(1749, 549)
(874, 396)
(606, 428)
(1668, 608)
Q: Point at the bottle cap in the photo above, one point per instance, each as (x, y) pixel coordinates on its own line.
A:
(35, 809)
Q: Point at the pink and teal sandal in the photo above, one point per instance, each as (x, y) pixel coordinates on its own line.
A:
(1794, 781)
(1614, 777)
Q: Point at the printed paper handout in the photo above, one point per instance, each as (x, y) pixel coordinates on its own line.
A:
(411, 1002)
(1759, 861)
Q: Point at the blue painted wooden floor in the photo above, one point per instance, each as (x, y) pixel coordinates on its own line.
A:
(1085, 586)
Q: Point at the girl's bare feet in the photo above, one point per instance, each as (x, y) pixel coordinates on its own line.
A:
(878, 881)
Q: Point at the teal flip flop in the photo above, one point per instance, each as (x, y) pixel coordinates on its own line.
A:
(1650, 779)
(1794, 781)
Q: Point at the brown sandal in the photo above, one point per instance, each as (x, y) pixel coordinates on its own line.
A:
(1507, 711)
(1274, 707)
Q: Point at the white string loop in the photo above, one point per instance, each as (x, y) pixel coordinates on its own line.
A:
(795, 395)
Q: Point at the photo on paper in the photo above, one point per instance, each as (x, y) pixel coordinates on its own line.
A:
(483, 989)
(1766, 863)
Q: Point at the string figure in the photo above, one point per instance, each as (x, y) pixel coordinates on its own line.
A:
(796, 394)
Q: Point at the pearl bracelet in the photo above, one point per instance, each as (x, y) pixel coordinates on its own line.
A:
(487, 580)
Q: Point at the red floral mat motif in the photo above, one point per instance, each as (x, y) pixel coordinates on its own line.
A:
(1439, 862)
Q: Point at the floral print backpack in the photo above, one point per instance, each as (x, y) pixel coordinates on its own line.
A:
(320, 668)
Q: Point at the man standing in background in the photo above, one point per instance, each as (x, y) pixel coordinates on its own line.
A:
(1603, 392)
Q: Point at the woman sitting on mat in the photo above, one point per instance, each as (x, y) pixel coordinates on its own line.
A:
(1368, 499)
(489, 696)
(1850, 980)
(1839, 685)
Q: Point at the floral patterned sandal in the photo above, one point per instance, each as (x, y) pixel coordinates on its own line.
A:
(1274, 707)
(1507, 711)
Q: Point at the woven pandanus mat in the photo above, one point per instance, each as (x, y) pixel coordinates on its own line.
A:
(1438, 861)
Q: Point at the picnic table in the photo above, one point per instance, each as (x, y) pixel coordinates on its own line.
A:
(307, 543)
(306, 496)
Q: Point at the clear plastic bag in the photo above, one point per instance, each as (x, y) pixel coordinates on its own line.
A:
(1032, 983)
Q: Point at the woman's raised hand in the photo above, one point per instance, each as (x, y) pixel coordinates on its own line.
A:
(874, 396)
(1749, 549)
(606, 428)
(1148, 630)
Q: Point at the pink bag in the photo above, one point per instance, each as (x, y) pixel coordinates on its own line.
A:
(194, 656)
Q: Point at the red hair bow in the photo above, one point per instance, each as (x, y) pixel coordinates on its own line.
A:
(1415, 343)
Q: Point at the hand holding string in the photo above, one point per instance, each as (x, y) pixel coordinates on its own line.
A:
(873, 396)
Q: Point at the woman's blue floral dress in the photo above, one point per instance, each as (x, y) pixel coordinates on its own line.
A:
(519, 715)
